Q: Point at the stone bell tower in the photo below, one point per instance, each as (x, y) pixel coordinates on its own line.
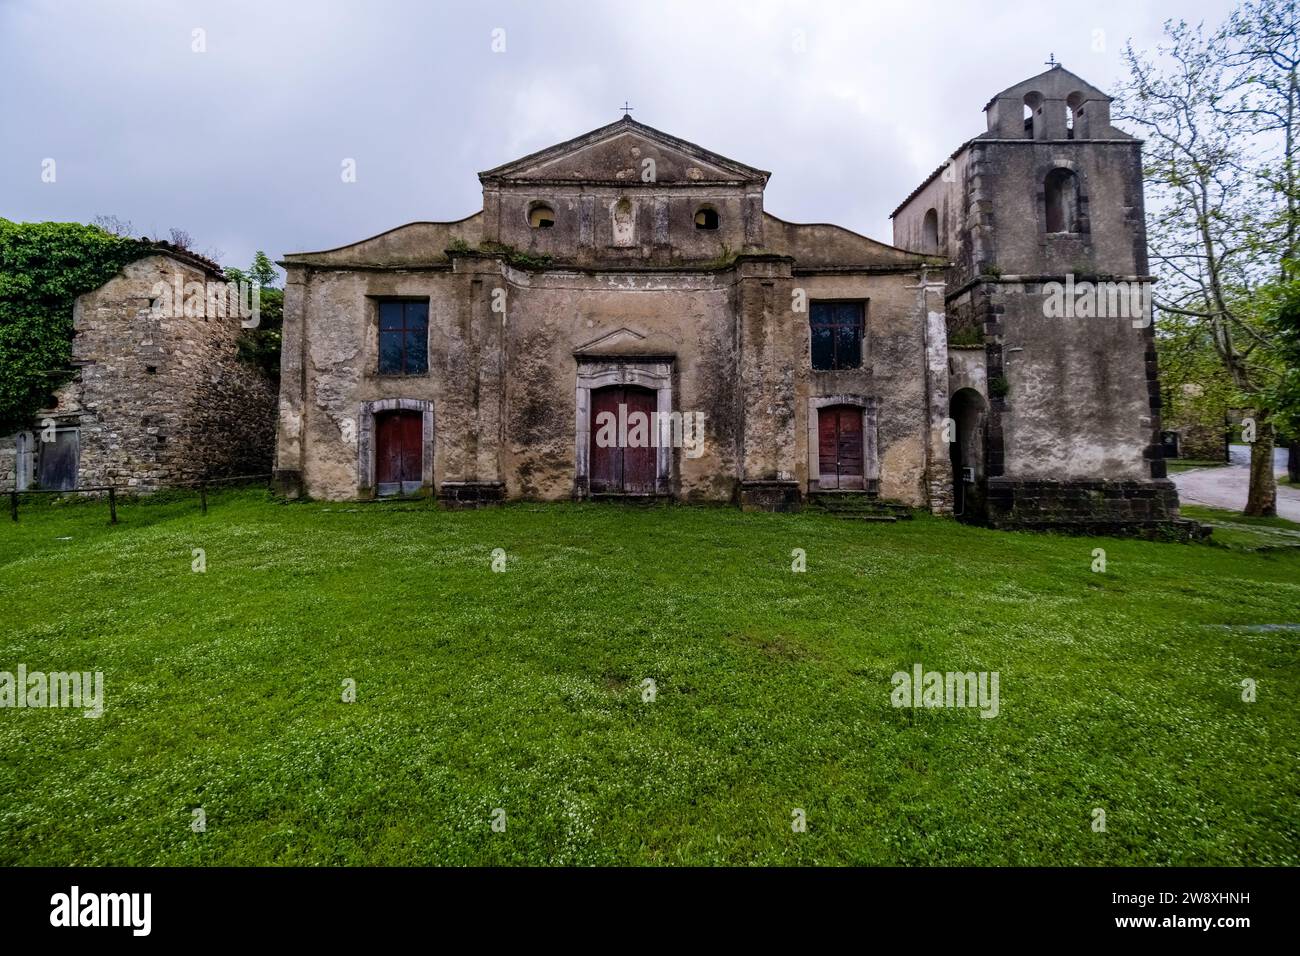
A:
(1055, 401)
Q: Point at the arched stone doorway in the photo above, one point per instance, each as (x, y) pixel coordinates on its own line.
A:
(968, 412)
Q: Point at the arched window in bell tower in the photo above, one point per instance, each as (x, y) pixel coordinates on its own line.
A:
(1075, 120)
(1033, 103)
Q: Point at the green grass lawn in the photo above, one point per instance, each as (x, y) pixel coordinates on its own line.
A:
(1232, 529)
(1173, 465)
(522, 690)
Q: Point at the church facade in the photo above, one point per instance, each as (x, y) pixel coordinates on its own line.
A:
(624, 318)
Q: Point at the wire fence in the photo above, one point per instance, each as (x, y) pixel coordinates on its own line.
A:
(202, 484)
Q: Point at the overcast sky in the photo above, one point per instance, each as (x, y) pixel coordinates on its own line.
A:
(242, 144)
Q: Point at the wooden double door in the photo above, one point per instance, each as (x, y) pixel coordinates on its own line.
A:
(618, 467)
(839, 448)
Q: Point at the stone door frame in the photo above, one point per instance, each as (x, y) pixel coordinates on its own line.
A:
(366, 440)
(870, 453)
(24, 460)
(655, 374)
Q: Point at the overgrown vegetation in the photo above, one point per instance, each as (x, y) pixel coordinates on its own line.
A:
(512, 256)
(1187, 464)
(44, 266)
(725, 259)
(965, 334)
(516, 257)
(260, 345)
(524, 690)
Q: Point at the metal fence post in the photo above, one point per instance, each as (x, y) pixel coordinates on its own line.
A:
(13, 504)
(112, 505)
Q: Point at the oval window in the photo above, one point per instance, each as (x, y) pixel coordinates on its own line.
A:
(541, 216)
(706, 217)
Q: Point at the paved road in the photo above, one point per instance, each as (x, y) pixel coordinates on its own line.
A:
(1226, 487)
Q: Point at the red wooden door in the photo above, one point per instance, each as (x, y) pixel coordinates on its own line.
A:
(606, 458)
(639, 458)
(839, 447)
(622, 457)
(399, 440)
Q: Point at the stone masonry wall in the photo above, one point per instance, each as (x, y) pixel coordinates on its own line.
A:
(159, 399)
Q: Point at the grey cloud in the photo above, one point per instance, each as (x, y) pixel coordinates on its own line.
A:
(242, 145)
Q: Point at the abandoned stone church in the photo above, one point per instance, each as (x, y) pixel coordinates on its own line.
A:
(623, 317)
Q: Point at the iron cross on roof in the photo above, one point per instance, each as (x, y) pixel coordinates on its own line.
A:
(1051, 60)
(625, 108)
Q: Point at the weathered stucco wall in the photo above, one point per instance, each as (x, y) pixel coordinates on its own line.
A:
(944, 193)
(660, 223)
(503, 388)
(893, 374)
(621, 284)
(1012, 180)
(415, 244)
(1077, 404)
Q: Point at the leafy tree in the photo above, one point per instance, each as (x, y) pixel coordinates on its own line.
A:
(44, 266)
(114, 224)
(1195, 387)
(1218, 111)
(260, 346)
(1284, 393)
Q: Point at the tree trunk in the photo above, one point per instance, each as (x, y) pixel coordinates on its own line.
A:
(1261, 502)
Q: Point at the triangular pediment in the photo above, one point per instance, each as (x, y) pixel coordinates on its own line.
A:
(618, 153)
(603, 343)
(1057, 82)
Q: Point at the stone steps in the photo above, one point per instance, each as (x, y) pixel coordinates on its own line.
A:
(859, 507)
